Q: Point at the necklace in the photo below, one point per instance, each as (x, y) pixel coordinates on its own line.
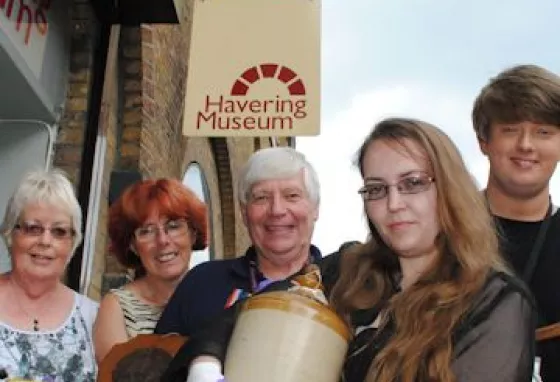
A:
(34, 319)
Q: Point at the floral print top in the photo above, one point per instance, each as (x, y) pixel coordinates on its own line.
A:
(62, 355)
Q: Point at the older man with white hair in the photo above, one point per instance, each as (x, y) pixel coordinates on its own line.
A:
(279, 198)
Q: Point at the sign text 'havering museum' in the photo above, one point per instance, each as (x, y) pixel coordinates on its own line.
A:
(259, 80)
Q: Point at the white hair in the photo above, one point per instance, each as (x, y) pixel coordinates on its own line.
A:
(277, 163)
(51, 187)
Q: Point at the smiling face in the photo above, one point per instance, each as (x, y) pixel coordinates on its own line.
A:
(523, 157)
(280, 218)
(407, 223)
(164, 246)
(41, 256)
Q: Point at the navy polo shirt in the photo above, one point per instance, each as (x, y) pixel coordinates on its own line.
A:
(207, 290)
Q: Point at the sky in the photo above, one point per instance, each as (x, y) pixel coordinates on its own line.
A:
(425, 59)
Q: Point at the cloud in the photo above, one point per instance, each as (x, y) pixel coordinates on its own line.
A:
(458, 45)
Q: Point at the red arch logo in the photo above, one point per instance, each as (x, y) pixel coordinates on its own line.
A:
(285, 75)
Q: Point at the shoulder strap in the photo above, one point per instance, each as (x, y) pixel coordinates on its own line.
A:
(536, 251)
(476, 316)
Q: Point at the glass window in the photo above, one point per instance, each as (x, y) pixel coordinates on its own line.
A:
(194, 179)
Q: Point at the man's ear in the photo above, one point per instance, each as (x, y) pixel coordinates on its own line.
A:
(316, 213)
(243, 209)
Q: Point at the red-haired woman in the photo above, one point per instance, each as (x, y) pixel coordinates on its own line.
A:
(153, 228)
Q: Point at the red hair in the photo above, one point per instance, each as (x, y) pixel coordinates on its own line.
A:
(169, 198)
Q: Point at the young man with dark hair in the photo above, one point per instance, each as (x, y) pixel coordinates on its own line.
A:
(517, 121)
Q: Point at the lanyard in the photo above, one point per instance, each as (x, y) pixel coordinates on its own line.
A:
(536, 251)
(259, 281)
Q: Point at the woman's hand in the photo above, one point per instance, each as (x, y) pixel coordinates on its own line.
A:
(205, 369)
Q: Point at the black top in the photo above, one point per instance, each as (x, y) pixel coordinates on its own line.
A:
(516, 241)
(494, 342)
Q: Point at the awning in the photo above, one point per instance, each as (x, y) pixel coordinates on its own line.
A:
(136, 12)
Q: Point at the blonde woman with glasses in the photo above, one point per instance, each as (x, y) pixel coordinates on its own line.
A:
(153, 227)
(45, 327)
(428, 295)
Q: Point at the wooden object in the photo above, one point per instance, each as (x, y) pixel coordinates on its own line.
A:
(171, 343)
(548, 332)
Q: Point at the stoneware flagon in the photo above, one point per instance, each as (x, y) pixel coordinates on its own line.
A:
(283, 336)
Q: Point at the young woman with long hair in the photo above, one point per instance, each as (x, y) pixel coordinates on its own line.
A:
(428, 295)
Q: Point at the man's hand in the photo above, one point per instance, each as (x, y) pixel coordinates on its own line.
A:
(205, 369)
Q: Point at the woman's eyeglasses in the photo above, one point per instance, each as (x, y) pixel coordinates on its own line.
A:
(37, 230)
(173, 228)
(410, 184)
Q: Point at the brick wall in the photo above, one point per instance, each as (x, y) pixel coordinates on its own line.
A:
(164, 66)
(153, 70)
(70, 140)
(130, 76)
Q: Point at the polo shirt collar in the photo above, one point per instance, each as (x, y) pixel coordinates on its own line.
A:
(240, 266)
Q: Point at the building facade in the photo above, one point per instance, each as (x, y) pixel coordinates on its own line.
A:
(101, 96)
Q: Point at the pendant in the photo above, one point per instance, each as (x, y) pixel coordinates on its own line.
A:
(35, 325)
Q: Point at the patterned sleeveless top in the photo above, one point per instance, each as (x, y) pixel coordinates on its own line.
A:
(139, 316)
(65, 354)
